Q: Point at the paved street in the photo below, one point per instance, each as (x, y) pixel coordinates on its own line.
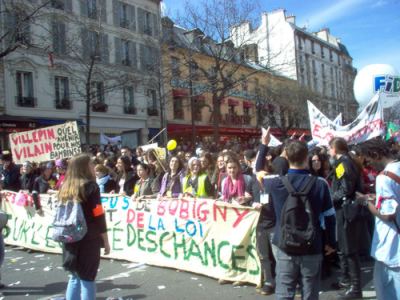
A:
(38, 275)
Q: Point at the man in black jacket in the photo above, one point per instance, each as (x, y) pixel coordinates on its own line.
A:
(9, 177)
(346, 181)
(305, 268)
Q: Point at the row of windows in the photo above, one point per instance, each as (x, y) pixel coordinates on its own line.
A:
(96, 45)
(62, 98)
(323, 50)
(124, 15)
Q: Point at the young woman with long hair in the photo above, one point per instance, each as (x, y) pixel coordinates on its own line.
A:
(126, 178)
(144, 186)
(82, 258)
(238, 188)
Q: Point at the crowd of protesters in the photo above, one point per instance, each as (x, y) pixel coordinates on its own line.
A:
(346, 199)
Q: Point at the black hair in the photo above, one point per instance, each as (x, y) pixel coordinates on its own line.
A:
(376, 149)
(144, 166)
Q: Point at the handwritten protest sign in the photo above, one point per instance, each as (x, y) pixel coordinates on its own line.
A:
(44, 144)
(201, 236)
(367, 125)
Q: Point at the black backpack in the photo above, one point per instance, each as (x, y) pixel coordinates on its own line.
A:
(298, 226)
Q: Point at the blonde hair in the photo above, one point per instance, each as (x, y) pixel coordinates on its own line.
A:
(78, 173)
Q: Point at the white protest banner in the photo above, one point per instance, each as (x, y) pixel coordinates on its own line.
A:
(273, 142)
(44, 144)
(367, 125)
(202, 236)
(338, 120)
(105, 140)
(149, 146)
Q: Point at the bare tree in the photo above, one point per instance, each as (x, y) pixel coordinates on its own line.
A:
(17, 17)
(212, 21)
(283, 104)
(86, 45)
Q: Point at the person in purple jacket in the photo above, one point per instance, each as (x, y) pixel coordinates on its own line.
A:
(171, 184)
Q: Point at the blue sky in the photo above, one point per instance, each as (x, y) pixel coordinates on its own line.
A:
(370, 29)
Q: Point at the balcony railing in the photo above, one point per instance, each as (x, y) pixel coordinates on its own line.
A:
(99, 107)
(126, 62)
(26, 101)
(178, 114)
(124, 23)
(130, 110)
(235, 120)
(63, 104)
(152, 111)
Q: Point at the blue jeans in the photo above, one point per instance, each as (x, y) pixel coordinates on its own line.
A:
(80, 289)
(1, 251)
(292, 270)
(386, 281)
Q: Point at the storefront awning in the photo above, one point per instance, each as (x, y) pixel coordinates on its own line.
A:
(51, 122)
(233, 102)
(179, 93)
(16, 124)
(176, 129)
(248, 104)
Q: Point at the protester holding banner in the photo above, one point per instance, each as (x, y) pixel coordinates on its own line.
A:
(82, 258)
(346, 181)
(238, 188)
(196, 183)
(171, 184)
(9, 177)
(157, 168)
(126, 178)
(104, 180)
(28, 177)
(43, 184)
(144, 186)
(207, 164)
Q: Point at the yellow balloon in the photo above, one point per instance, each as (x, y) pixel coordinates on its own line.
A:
(171, 145)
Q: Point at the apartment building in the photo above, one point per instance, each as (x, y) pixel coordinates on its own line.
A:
(319, 61)
(80, 57)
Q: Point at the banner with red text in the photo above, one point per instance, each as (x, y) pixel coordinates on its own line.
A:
(202, 236)
(367, 125)
(44, 144)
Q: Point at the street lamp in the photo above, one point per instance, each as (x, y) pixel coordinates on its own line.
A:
(192, 106)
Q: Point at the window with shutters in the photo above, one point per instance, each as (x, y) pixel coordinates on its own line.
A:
(123, 15)
(152, 102)
(94, 45)
(17, 29)
(148, 56)
(125, 53)
(61, 90)
(59, 38)
(92, 8)
(129, 101)
(24, 87)
(148, 23)
(97, 91)
(175, 67)
(178, 108)
(58, 4)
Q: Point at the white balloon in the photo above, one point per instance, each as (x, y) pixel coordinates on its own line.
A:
(364, 83)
